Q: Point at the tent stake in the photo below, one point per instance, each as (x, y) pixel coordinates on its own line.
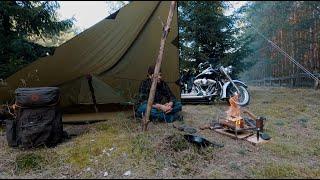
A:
(165, 32)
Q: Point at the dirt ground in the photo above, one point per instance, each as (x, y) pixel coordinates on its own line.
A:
(117, 148)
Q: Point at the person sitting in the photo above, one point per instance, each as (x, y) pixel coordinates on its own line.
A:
(165, 106)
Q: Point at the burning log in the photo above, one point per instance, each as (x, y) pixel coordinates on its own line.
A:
(234, 123)
(233, 119)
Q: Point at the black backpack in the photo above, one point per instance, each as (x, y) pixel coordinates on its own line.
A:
(38, 118)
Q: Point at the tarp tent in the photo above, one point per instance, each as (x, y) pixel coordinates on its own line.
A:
(116, 52)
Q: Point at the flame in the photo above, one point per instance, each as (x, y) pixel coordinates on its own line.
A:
(238, 122)
(234, 109)
(234, 113)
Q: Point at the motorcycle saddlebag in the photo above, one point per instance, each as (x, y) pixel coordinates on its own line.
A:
(37, 97)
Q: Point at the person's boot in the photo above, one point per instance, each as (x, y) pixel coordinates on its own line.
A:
(178, 116)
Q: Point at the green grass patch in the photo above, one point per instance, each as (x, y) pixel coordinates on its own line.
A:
(186, 162)
(303, 122)
(107, 128)
(313, 147)
(92, 145)
(79, 156)
(274, 170)
(141, 147)
(179, 143)
(316, 127)
(286, 150)
(234, 166)
(242, 151)
(316, 150)
(279, 123)
(29, 161)
(285, 170)
(216, 174)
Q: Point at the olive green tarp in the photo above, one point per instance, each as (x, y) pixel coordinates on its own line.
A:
(116, 52)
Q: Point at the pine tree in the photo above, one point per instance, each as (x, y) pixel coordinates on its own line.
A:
(294, 27)
(207, 34)
(20, 20)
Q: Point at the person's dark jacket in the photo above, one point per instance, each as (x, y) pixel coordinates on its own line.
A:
(163, 93)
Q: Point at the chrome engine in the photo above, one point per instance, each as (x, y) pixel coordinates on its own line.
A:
(204, 82)
(205, 86)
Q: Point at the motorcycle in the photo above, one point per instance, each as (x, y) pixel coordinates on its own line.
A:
(212, 83)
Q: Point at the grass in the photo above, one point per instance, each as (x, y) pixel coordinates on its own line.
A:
(29, 161)
(303, 122)
(118, 145)
(277, 170)
(142, 147)
(279, 123)
(286, 150)
(177, 143)
(90, 147)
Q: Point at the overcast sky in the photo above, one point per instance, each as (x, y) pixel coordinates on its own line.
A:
(88, 13)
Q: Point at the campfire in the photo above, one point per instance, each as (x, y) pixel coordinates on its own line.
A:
(233, 119)
(234, 125)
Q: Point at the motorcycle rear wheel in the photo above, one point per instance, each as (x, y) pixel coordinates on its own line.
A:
(244, 97)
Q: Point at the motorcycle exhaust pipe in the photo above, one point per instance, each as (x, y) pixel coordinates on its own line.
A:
(193, 97)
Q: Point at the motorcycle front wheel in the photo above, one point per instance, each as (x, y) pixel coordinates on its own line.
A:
(244, 97)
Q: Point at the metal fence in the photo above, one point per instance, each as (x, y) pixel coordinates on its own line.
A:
(297, 80)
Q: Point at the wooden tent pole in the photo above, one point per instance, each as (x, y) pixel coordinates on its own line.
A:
(158, 65)
(89, 78)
